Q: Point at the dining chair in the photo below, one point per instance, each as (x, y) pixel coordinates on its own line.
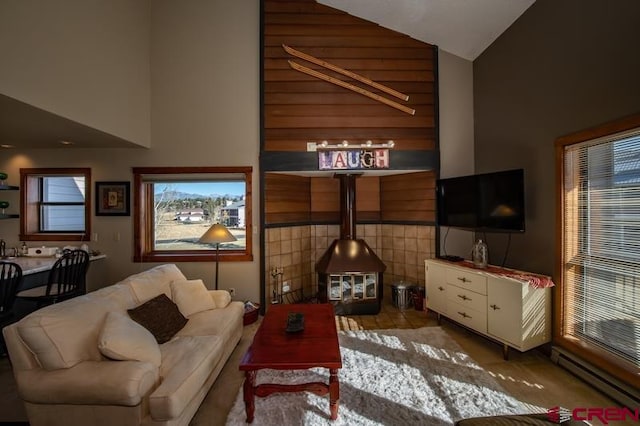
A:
(10, 278)
(67, 279)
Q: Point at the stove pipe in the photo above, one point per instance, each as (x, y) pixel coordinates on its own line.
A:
(347, 205)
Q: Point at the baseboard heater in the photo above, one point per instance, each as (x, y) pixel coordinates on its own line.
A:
(599, 379)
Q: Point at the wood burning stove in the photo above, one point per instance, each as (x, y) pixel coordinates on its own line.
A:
(349, 272)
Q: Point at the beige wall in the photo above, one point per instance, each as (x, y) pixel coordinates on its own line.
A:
(205, 103)
(455, 77)
(85, 60)
(204, 108)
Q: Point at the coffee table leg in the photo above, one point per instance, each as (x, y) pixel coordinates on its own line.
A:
(334, 393)
(249, 400)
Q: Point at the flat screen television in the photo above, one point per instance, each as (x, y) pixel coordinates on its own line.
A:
(492, 202)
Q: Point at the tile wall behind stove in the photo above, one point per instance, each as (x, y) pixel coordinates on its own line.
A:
(295, 249)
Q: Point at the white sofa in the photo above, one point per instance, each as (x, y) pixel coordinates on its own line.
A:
(64, 377)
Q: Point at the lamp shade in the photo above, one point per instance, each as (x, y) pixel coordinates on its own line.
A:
(218, 233)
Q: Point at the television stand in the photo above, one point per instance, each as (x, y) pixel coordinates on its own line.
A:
(503, 308)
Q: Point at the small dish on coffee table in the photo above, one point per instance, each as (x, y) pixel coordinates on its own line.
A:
(295, 322)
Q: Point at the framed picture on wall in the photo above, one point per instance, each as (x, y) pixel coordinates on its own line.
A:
(112, 199)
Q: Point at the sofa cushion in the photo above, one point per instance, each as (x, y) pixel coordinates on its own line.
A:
(125, 340)
(191, 296)
(160, 316)
(187, 362)
(150, 283)
(215, 322)
(63, 334)
(221, 298)
(123, 383)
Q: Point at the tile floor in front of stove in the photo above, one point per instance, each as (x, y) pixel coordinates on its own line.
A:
(389, 317)
(531, 376)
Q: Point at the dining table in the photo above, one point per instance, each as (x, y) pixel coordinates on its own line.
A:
(35, 264)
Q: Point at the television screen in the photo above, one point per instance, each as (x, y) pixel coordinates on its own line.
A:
(482, 202)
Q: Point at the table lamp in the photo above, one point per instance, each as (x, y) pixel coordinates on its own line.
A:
(217, 234)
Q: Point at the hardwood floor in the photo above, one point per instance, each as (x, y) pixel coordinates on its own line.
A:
(531, 376)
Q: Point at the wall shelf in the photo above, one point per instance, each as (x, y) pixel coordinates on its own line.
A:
(9, 215)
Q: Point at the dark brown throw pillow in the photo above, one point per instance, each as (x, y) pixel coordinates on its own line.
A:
(160, 316)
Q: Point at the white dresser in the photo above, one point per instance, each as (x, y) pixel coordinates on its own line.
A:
(506, 309)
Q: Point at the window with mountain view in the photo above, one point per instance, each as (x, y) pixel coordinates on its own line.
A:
(174, 207)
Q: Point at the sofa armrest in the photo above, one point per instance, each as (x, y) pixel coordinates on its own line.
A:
(89, 382)
(220, 297)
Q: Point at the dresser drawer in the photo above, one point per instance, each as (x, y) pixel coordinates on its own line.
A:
(467, 279)
(467, 298)
(437, 297)
(467, 316)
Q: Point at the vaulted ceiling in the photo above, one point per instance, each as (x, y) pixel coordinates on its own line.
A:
(462, 27)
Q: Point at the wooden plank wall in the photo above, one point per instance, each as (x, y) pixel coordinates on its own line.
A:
(368, 199)
(287, 198)
(299, 199)
(298, 108)
(325, 199)
(408, 197)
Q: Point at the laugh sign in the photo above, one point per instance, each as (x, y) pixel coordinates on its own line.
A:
(354, 159)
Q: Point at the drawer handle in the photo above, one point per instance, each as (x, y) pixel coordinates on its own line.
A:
(494, 307)
(464, 280)
(464, 297)
(464, 315)
(441, 288)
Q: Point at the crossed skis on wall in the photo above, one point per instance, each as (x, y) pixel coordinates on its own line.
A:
(379, 98)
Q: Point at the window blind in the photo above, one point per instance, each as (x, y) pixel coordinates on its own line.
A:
(601, 244)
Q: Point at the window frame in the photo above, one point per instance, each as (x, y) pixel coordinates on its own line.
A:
(597, 356)
(30, 201)
(143, 223)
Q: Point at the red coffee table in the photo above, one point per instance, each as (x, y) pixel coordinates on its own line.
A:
(316, 346)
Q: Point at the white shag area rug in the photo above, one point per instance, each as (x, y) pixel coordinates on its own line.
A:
(388, 377)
